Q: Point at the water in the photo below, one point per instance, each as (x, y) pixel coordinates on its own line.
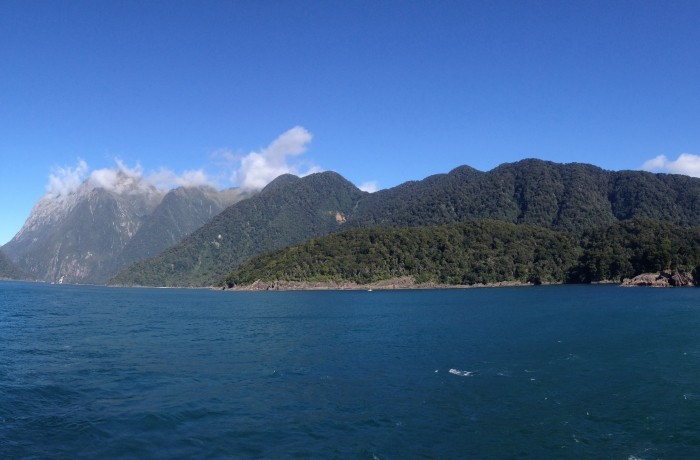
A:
(541, 372)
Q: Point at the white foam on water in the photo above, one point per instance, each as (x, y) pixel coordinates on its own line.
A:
(461, 373)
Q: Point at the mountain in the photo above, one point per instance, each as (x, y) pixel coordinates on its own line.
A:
(567, 197)
(74, 238)
(182, 211)
(85, 236)
(559, 196)
(90, 235)
(8, 270)
(288, 210)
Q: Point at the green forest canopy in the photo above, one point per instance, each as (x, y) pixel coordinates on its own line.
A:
(481, 252)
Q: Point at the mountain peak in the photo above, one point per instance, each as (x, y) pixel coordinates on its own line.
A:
(280, 182)
(120, 182)
(289, 210)
(84, 234)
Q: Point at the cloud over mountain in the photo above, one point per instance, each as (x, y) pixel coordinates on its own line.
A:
(686, 163)
(66, 180)
(257, 169)
(369, 186)
(225, 169)
(165, 178)
(120, 178)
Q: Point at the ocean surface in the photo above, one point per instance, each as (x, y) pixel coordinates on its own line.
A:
(535, 372)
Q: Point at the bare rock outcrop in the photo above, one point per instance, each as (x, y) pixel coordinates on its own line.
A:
(663, 279)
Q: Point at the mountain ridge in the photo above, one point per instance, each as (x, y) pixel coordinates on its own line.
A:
(570, 197)
(567, 196)
(80, 237)
(288, 210)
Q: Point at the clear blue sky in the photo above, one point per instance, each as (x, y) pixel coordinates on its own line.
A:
(383, 91)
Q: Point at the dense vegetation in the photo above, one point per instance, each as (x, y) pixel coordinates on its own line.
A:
(559, 196)
(572, 198)
(288, 211)
(181, 212)
(629, 248)
(481, 252)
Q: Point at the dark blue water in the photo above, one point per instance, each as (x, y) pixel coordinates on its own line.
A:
(542, 372)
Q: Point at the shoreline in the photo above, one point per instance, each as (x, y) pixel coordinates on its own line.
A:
(653, 280)
(403, 283)
(408, 283)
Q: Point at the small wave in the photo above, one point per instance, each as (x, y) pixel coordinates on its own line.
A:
(461, 373)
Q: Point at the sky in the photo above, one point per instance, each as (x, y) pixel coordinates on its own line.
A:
(232, 93)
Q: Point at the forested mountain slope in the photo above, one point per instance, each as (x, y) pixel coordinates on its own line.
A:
(481, 252)
(563, 197)
(559, 196)
(289, 210)
(182, 211)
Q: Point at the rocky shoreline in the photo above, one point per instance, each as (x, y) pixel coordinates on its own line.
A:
(662, 279)
(405, 282)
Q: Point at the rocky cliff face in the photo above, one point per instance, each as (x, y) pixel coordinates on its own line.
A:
(81, 237)
(73, 238)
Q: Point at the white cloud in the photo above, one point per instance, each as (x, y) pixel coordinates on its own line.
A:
(119, 179)
(686, 163)
(165, 178)
(251, 171)
(369, 186)
(655, 163)
(257, 169)
(66, 180)
(225, 157)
